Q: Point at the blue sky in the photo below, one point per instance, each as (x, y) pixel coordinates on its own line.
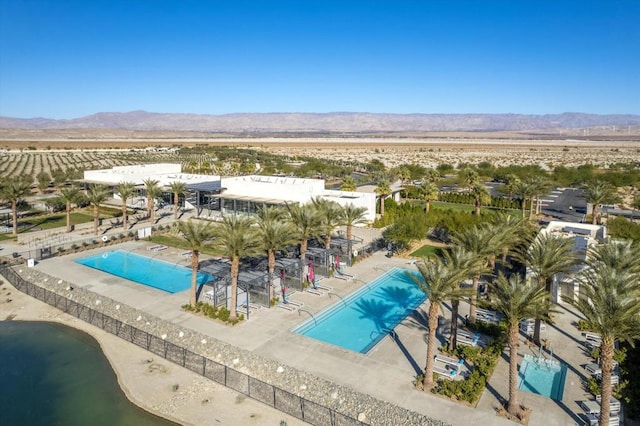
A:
(68, 58)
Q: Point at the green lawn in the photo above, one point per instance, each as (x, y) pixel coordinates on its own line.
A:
(55, 221)
(427, 251)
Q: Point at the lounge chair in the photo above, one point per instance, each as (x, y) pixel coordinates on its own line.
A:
(468, 334)
(594, 419)
(186, 253)
(323, 287)
(614, 404)
(156, 247)
(615, 379)
(465, 340)
(448, 374)
(287, 306)
(293, 302)
(449, 361)
(315, 291)
(593, 369)
(590, 407)
(340, 272)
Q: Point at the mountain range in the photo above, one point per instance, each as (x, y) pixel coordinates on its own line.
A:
(325, 122)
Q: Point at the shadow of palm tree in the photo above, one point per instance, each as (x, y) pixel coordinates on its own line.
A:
(403, 296)
(377, 311)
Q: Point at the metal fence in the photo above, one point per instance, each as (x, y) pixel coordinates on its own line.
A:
(266, 393)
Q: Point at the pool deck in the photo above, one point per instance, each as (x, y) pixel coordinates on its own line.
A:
(386, 372)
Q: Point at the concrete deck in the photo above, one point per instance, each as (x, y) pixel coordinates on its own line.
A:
(386, 372)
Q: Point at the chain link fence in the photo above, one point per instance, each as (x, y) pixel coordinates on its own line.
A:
(266, 393)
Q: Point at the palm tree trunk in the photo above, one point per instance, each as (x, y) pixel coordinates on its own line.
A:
(453, 338)
(594, 213)
(194, 276)
(68, 217)
(14, 214)
(349, 233)
(478, 205)
(513, 406)
(175, 201)
(327, 241)
(473, 301)
(153, 209)
(426, 210)
(381, 205)
(235, 266)
(303, 253)
(124, 215)
(272, 266)
(96, 218)
(606, 353)
(536, 331)
(427, 381)
(523, 206)
(531, 208)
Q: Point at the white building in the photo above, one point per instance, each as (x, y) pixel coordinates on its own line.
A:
(584, 237)
(213, 196)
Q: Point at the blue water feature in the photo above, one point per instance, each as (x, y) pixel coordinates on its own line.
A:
(542, 376)
(144, 270)
(358, 322)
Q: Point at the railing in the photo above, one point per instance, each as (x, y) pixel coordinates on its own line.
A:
(266, 393)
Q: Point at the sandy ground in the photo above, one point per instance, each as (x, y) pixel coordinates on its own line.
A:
(148, 380)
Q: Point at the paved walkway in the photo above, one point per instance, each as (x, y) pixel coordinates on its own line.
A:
(386, 372)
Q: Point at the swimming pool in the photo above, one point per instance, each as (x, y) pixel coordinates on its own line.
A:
(359, 321)
(542, 376)
(144, 270)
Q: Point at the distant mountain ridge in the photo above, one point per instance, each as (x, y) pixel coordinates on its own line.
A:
(324, 122)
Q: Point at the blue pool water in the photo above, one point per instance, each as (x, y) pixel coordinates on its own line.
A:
(144, 270)
(542, 378)
(363, 318)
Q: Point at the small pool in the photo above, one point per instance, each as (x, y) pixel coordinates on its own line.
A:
(144, 270)
(542, 376)
(359, 321)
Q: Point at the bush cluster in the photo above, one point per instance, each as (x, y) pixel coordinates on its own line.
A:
(210, 311)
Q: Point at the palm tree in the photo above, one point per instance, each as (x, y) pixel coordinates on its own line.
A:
(178, 189)
(468, 177)
(196, 234)
(483, 244)
(330, 214)
(510, 232)
(351, 216)
(516, 299)
(431, 175)
(69, 196)
(348, 184)
(383, 190)
(538, 185)
(610, 303)
(524, 191)
(235, 238)
(465, 262)
(96, 195)
(599, 192)
(439, 283)
(547, 256)
(153, 189)
(44, 180)
(512, 181)
(306, 222)
(481, 195)
(429, 192)
(275, 235)
(13, 191)
(125, 190)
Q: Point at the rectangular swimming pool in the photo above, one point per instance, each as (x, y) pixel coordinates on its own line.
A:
(358, 322)
(144, 270)
(542, 376)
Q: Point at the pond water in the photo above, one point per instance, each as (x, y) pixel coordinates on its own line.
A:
(51, 374)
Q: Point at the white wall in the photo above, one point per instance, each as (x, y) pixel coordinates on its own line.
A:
(287, 189)
(358, 199)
